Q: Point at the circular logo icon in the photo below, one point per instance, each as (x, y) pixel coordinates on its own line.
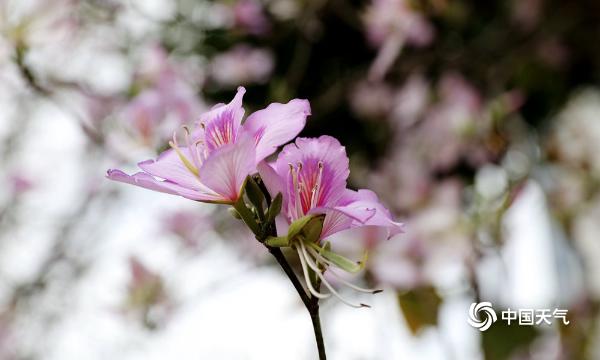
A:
(481, 315)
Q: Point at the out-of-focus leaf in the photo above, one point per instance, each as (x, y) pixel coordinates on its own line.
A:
(501, 340)
(420, 307)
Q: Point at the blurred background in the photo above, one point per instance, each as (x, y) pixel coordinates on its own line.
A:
(477, 123)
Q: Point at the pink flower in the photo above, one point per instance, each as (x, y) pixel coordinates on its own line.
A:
(311, 175)
(220, 152)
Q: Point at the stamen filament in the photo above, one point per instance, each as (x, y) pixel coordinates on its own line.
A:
(317, 188)
(193, 149)
(311, 264)
(307, 278)
(316, 269)
(184, 159)
(197, 144)
(351, 285)
(298, 205)
(336, 294)
(318, 256)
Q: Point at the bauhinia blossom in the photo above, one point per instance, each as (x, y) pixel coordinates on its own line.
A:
(311, 175)
(219, 152)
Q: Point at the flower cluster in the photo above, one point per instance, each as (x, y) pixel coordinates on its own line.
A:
(304, 189)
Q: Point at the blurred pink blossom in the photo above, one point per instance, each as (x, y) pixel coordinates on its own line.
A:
(449, 123)
(20, 184)
(526, 13)
(386, 17)
(188, 226)
(168, 102)
(250, 16)
(575, 139)
(435, 241)
(146, 295)
(372, 100)
(553, 52)
(403, 178)
(242, 64)
(390, 25)
(411, 101)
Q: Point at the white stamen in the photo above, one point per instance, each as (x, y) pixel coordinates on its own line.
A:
(296, 186)
(197, 144)
(337, 295)
(315, 268)
(317, 188)
(307, 278)
(189, 165)
(351, 285)
(318, 256)
(309, 261)
(192, 148)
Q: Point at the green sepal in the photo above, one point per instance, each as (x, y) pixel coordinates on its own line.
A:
(307, 225)
(246, 215)
(275, 208)
(235, 213)
(255, 196)
(277, 241)
(339, 260)
(312, 230)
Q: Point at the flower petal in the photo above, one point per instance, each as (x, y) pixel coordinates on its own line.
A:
(276, 125)
(139, 179)
(227, 167)
(272, 181)
(335, 221)
(169, 166)
(235, 106)
(341, 218)
(320, 165)
(221, 124)
(357, 201)
(147, 181)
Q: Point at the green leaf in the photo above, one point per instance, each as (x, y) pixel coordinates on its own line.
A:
(339, 260)
(420, 307)
(275, 208)
(277, 241)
